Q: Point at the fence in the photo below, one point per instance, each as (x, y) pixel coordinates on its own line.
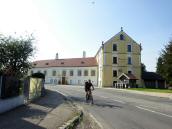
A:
(9, 87)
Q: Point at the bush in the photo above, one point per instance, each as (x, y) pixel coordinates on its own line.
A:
(38, 75)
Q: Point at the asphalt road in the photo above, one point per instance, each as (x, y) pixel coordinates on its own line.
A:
(121, 110)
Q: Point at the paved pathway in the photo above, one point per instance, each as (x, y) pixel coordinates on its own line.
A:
(49, 112)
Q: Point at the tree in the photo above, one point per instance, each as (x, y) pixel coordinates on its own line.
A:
(164, 63)
(143, 67)
(15, 54)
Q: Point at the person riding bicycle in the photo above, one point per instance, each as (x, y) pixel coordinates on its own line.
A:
(88, 86)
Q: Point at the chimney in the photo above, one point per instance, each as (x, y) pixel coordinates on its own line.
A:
(57, 56)
(84, 54)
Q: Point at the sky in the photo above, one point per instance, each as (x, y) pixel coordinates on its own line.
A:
(70, 27)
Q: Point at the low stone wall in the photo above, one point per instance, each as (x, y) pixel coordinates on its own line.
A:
(35, 88)
(8, 104)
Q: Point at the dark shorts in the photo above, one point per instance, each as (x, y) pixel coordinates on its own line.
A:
(86, 90)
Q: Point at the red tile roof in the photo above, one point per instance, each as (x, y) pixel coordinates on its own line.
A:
(71, 62)
(128, 76)
(131, 76)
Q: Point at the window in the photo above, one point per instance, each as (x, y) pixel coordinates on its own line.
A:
(129, 72)
(114, 47)
(121, 37)
(71, 73)
(45, 72)
(93, 72)
(70, 81)
(55, 81)
(54, 73)
(129, 60)
(51, 81)
(63, 73)
(129, 48)
(85, 72)
(114, 73)
(79, 81)
(114, 60)
(79, 73)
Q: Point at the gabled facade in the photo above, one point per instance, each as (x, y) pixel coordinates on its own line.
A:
(120, 54)
(118, 61)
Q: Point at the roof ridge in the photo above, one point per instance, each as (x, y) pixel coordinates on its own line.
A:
(63, 59)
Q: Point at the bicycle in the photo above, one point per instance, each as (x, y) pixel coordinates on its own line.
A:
(89, 97)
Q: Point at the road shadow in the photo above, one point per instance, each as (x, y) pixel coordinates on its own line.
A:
(98, 103)
(52, 99)
(29, 116)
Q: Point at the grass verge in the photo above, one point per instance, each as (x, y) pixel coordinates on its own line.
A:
(152, 90)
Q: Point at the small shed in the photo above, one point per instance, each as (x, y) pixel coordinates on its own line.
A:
(153, 80)
(128, 79)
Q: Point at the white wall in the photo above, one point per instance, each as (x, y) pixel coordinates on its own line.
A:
(8, 104)
(99, 59)
(72, 80)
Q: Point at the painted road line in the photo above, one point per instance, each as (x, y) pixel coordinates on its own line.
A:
(119, 101)
(148, 106)
(159, 113)
(104, 97)
(62, 93)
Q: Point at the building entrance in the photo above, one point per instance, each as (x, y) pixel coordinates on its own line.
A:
(63, 80)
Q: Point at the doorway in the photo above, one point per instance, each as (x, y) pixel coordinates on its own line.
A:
(63, 80)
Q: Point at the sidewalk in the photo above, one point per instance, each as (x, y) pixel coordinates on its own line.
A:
(163, 95)
(48, 112)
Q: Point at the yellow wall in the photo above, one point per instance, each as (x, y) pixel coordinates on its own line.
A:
(122, 56)
(35, 88)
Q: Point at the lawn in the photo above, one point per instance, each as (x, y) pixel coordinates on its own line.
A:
(151, 90)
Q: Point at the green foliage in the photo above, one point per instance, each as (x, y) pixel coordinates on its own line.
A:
(38, 75)
(164, 63)
(151, 90)
(15, 54)
(143, 67)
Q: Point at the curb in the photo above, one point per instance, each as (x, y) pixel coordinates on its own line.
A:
(71, 124)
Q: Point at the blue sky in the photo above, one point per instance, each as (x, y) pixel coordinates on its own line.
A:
(71, 26)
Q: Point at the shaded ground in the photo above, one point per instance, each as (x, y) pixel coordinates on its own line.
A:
(48, 112)
(88, 123)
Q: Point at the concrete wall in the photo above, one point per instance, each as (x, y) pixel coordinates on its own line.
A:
(8, 104)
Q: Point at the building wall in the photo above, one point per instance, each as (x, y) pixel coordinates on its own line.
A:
(99, 58)
(71, 80)
(122, 55)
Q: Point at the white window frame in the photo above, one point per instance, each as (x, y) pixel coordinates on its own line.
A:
(116, 60)
(131, 47)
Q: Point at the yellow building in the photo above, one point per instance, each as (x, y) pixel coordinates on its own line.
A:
(119, 62)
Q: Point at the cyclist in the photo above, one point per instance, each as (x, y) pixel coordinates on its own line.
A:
(88, 86)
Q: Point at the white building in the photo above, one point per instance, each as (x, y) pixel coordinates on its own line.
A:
(72, 71)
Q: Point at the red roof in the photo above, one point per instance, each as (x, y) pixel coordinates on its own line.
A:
(71, 62)
(131, 76)
(128, 76)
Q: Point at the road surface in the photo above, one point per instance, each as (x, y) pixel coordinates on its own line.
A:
(116, 109)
